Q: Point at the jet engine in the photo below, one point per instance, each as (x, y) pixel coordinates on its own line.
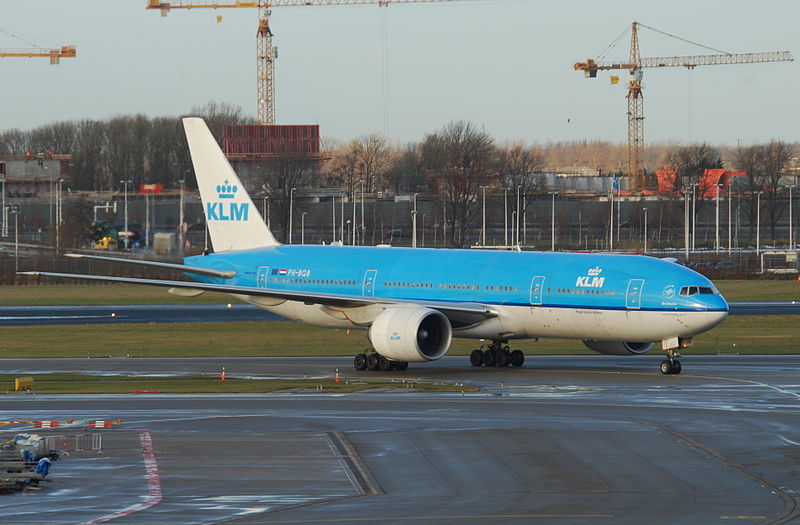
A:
(411, 334)
(617, 347)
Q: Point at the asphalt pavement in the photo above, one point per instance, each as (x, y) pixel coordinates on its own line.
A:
(584, 439)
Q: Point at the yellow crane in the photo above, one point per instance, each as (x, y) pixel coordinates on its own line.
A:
(55, 54)
(266, 52)
(636, 64)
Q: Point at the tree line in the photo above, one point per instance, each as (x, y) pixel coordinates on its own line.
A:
(457, 163)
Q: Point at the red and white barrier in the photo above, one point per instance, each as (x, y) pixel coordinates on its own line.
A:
(99, 424)
(45, 424)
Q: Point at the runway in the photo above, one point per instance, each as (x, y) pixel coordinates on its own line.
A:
(191, 313)
(587, 439)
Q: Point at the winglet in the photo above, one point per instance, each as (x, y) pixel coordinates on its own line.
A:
(234, 222)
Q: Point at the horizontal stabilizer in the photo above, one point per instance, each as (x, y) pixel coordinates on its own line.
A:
(225, 274)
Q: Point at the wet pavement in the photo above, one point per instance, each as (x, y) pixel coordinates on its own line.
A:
(587, 439)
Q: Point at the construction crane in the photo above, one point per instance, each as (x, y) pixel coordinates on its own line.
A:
(55, 54)
(636, 64)
(266, 52)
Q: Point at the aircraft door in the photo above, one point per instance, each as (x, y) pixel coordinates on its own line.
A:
(537, 286)
(633, 297)
(368, 286)
(263, 276)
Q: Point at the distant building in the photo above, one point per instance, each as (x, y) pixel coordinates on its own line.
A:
(34, 175)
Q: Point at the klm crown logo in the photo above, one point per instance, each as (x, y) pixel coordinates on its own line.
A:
(227, 211)
(226, 191)
(593, 280)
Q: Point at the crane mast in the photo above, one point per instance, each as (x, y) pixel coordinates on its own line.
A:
(266, 52)
(635, 66)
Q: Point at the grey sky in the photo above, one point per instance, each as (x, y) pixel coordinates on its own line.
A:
(503, 64)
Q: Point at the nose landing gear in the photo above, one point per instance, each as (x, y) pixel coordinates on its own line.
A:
(671, 365)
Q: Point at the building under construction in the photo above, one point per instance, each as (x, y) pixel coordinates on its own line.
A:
(253, 149)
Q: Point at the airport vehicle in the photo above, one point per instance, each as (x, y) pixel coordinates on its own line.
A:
(414, 301)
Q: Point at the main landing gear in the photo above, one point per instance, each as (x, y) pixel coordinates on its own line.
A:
(671, 365)
(496, 354)
(374, 361)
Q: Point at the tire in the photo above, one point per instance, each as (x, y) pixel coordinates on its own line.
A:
(476, 358)
(488, 358)
(666, 367)
(384, 364)
(372, 362)
(676, 367)
(360, 362)
(400, 365)
(517, 358)
(503, 358)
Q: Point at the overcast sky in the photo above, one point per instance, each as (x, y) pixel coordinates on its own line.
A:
(503, 64)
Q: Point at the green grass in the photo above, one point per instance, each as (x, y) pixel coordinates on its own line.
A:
(739, 334)
(94, 294)
(92, 384)
(760, 290)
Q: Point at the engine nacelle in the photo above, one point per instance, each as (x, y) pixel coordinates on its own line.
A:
(617, 347)
(411, 334)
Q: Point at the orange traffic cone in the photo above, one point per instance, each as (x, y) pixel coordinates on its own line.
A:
(222, 377)
(337, 376)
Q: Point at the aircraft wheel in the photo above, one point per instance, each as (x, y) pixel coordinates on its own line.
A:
(401, 365)
(488, 358)
(476, 358)
(517, 358)
(384, 364)
(360, 362)
(666, 367)
(372, 362)
(503, 358)
(676, 367)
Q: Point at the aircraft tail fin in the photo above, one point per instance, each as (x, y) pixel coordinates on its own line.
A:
(234, 222)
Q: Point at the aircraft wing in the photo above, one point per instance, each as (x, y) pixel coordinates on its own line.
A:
(463, 313)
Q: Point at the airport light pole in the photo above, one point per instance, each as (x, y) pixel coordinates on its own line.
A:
(553, 225)
(645, 231)
(60, 183)
(519, 187)
(730, 224)
(181, 218)
(483, 227)
(686, 222)
(694, 215)
(348, 229)
(791, 230)
(353, 240)
(758, 223)
(5, 215)
(291, 205)
(15, 211)
(505, 216)
(127, 234)
(265, 204)
(716, 219)
(414, 223)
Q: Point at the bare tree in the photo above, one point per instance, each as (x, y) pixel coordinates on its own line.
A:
(519, 167)
(765, 165)
(459, 158)
(406, 173)
(278, 177)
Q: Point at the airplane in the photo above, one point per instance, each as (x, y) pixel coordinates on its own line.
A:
(413, 301)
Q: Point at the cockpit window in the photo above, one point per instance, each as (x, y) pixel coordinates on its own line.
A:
(688, 291)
